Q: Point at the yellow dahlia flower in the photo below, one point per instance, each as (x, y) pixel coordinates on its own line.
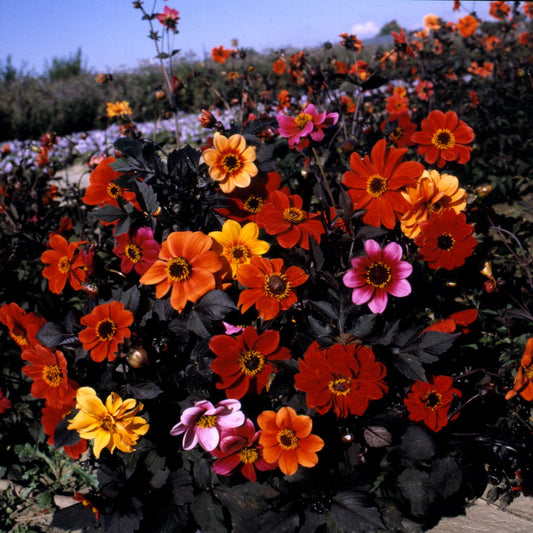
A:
(113, 425)
(431, 194)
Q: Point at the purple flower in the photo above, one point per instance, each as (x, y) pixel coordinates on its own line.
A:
(203, 423)
(380, 273)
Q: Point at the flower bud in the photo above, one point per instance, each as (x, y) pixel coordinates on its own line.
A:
(483, 190)
(160, 94)
(137, 357)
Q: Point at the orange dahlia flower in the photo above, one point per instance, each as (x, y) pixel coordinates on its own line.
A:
(186, 264)
(220, 54)
(65, 263)
(107, 326)
(375, 183)
(270, 285)
(23, 327)
(48, 370)
(467, 25)
(444, 138)
(286, 438)
(431, 194)
(102, 189)
(118, 109)
(231, 162)
(523, 381)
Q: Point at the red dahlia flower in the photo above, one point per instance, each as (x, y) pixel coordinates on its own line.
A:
(169, 18)
(430, 402)
(444, 138)
(284, 217)
(375, 183)
(455, 322)
(48, 370)
(240, 447)
(107, 326)
(138, 251)
(244, 362)
(23, 327)
(5, 403)
(401, 135)
(380, 273)
(270, 285)
(341, 377)
(445, 240)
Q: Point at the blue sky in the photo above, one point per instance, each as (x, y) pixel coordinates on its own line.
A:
(112, 35)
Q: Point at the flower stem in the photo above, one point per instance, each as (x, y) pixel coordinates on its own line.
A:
(324, 179)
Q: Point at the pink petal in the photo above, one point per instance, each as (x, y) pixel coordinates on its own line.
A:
(178, 429)
(402, 270)
(379, 302)
(399, 288)
(190, 439)
(207, 438)
(362, 295)
(373, 250)
(392, 253)
(224, 466)
(232, 420)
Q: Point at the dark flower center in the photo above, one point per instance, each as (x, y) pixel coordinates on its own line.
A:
(178, 269)
(253, 204)
(433, 399)
(107, 423)
(239, 253)
(397, 134)
(52, 375)
(445, 242)
(287, 439)
(133, 252)
(376, 185)
(443, 139)
(379, 275)
(114, 190)
(231, 163)
(251, 362)
(106, 329)
(340, 386)
(293, 215)
(277, 286)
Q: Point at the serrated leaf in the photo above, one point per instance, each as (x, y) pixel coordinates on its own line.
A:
(51, 335)
(410, 366)
(418, 444)
(364, 326)
(74, 518)
(142, 390)
(107, 213)
(446, 476)
(377, 436)
(373, 82)
(215, 305)
(129, 146)
(317, 254)
(415, 487)
(146, 197)
(347, 87)
(182, 489)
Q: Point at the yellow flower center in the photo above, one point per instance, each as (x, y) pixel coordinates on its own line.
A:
(239, 253)
(231, 163)
(443, 139)
(287, 439)
(251, 362)
(433, 399)
(207, 421)
(52, 375)
(379, 275)
(106, 330)
(133, 253)
(178, 269)
(376, 185)
(445, 242)
(249, 455)
(107, 423)
(340, 386)
(253, 204)
(64, 265)
(302, 119)
(114, 190)
(277, 286)
(293, 215)
(529, 372)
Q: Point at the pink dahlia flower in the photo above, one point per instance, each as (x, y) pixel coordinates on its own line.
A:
(308, 123)
(380, 273)
(203, 423)
(240, 447)
(138, 251)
